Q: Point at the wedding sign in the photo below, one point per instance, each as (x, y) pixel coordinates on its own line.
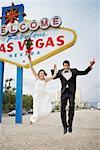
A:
(47, 36)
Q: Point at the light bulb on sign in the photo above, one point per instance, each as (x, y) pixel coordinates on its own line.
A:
(56, 21)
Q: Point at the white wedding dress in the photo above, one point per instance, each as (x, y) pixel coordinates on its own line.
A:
(42, 106)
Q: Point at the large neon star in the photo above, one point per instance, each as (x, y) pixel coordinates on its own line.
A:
(12, 15)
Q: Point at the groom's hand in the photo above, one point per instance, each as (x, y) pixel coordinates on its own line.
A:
(92, 63)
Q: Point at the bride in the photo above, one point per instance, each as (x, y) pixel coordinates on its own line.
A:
(42, 106)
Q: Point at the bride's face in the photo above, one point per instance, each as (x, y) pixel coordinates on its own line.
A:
(41, 75)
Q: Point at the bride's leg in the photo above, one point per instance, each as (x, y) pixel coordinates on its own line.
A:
(33, 119)
(31, 122)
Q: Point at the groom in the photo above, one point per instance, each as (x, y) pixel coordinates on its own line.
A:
(67, 77)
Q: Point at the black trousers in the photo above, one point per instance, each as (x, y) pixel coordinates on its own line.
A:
(64, 101)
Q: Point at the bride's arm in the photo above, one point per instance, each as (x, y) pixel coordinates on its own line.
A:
(54, 75)
(30, 63)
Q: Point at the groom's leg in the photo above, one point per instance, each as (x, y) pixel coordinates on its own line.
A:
(63, 112)
(71, 111)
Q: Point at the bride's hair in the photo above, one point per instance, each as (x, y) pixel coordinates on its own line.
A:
(43, 71)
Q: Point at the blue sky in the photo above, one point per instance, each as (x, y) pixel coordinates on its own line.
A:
(80, 15)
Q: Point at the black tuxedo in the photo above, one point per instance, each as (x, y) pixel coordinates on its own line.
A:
(68, 93)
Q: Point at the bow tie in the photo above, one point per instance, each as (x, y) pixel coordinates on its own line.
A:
(66, 71)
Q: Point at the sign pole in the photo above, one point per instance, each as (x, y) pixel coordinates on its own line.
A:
(1, 75)
(19, 95)
(1, 88)
(19, 84)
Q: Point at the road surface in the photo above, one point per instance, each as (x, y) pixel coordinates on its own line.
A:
(47, 134)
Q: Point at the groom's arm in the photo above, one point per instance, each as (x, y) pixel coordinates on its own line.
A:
(77, 72)
(87, 70)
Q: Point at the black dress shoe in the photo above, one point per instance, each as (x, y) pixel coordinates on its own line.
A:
(65, 129)
(70, 129)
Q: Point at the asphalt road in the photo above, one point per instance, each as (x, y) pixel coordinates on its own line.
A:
(47, 134)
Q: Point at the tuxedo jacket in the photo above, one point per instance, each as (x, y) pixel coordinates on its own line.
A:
(71, 82)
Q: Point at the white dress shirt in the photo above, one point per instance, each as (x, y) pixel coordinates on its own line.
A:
(67, 74)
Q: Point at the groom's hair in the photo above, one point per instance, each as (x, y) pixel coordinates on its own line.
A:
(66, 62)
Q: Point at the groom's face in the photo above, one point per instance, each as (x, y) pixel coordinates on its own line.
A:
(66, 66)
